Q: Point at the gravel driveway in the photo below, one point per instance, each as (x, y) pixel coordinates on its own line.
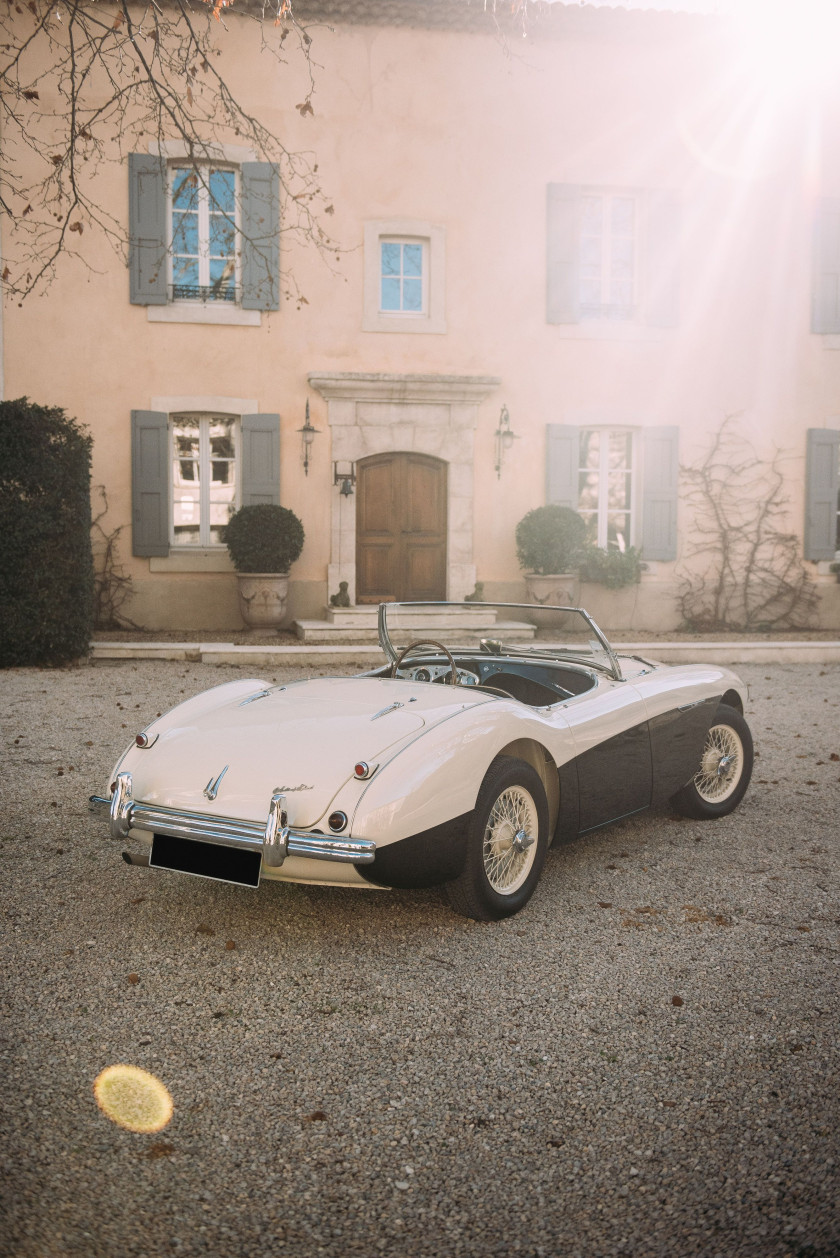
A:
(644, 1062)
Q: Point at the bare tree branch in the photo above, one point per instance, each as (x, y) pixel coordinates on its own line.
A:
(82, 83)
(743, 571)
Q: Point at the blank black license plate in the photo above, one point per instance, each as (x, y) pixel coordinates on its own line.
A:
(206, 860)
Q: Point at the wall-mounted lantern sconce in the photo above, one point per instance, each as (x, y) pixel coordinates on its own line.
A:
(344, 475)
(505, 437)
(308, 434)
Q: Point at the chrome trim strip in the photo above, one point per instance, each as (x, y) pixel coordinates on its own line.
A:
(273, 838)
(211, 790)
(392, 707)
(259, 694)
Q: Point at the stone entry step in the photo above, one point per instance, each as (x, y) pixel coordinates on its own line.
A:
(366, 616)
(357, 626)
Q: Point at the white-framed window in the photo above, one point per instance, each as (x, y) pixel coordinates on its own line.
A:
(609, 250)
(613, 259)
(607, 485)
(204, 461)
(404, 277)
(204, 242)
(203, 209)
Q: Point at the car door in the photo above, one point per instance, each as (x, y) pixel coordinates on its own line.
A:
(609, 728)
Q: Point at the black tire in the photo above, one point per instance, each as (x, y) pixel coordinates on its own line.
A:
(500, 874)
(725, 769)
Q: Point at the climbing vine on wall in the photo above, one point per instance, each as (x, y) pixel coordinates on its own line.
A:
(743, 569)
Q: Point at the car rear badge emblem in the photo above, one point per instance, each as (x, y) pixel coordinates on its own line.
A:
(211, 790)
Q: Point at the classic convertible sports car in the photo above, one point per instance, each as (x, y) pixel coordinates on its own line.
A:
(450, 764)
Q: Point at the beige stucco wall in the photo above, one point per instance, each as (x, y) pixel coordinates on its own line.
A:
(459, 130)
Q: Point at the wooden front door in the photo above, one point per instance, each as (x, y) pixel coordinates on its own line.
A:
(400, 528)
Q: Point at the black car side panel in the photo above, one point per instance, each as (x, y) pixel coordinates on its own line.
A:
(614, 778)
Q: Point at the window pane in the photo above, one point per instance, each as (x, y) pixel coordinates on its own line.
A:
(186, 473)
(412, 295)
(413, 259)
(185, 272)
(390, 258)
(222, 236)
(390, 294)
(222, 465)
(184, 190)
(222, 278)
(622, 256)
(590, 255)
(619, 491)
(621, 449)
(222, 189)
(590, 519)
(587, 491)
(185, 233)
(591, 214)
(590, 449)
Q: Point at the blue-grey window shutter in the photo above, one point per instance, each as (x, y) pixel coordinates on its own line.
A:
(150, 483)
(825, 289)
(822, 492)
(661, 295)
(660, 455)
(147, 242)
(561, 464)
(260, 459)
(260, 224)
(563, 253)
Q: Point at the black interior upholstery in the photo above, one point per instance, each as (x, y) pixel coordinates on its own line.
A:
(525, 689)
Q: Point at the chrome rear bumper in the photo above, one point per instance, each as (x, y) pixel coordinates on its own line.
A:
(273, 838)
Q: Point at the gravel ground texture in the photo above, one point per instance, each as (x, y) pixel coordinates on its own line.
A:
(643, 1062)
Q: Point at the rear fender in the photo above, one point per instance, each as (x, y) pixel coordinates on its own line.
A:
(437, 776)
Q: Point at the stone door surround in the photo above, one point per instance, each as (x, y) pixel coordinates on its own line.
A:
(427, 414)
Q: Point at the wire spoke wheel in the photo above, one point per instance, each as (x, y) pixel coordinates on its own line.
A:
(505, 843)
(721, 765)
(724, 772)
(510, 840)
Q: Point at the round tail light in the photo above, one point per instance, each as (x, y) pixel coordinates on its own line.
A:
(337, 820)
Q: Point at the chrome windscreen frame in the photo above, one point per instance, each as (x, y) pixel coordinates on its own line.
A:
(612, 666)
(273, 838)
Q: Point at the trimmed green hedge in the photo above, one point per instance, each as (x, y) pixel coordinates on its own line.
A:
(46, 566)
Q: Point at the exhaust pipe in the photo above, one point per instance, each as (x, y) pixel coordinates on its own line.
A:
(131, 859)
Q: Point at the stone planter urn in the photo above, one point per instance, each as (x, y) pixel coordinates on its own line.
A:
(560, 589)
(550, 542)
(264, 540)
(262, 600)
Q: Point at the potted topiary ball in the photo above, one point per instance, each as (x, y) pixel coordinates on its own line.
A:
(550, 543)
(263, 541)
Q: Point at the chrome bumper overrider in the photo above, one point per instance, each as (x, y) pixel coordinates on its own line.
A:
(273, 838)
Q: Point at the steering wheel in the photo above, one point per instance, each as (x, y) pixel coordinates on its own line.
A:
(452, 679)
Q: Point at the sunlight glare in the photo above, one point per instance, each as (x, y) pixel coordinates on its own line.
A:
(790, 45)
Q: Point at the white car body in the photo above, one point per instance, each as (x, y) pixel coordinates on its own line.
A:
(267, 769)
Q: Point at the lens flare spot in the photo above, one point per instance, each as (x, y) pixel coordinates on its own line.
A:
(132, 1098)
